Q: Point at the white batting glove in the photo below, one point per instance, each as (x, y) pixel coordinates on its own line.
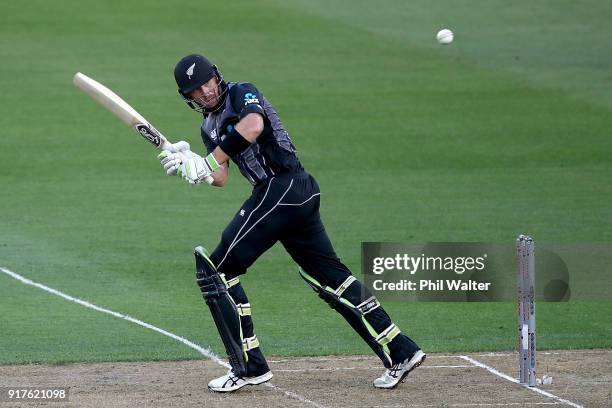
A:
(172, 161)
(172, 157)
(179, 147)
(196, 169)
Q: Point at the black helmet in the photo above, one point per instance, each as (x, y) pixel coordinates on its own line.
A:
(193, 71)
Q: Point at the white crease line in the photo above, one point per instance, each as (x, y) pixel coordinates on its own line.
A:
(202, 350)
(299, 370)
(514, 380)
(502, 404)
(498, 404)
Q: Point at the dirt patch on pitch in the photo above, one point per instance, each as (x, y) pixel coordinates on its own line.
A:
(582, 377)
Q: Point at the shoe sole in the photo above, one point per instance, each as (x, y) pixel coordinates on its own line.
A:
(248, 381)
(414, 365)
(261, 379)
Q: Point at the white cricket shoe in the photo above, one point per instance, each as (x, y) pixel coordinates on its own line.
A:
(232, 382)
(399, 371)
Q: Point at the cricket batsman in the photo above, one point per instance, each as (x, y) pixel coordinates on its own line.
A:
(240, 124)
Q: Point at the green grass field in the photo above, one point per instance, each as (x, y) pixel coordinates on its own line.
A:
(505, 131)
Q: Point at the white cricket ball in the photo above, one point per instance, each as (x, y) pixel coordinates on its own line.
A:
(445, 36)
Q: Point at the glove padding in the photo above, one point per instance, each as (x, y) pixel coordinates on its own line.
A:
(172, 161)
(172, 158)
(179, 160)
(196, 169)
(179, 147)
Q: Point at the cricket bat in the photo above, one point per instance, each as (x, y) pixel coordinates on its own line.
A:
(121, 109)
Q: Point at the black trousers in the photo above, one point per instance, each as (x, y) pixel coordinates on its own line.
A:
(286, 209)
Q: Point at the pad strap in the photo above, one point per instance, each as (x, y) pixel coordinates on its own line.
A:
(244, 309)
(250, 343)
(231, 282)
(387, 335)
(368, 305)
(345, 285)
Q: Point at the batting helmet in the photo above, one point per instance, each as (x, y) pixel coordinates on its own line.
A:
(193, 71)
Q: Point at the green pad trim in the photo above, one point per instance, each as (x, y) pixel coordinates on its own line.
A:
(250, 343)
(244, 309)
(387, 335)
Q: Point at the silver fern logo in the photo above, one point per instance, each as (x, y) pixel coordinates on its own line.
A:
(189, 71)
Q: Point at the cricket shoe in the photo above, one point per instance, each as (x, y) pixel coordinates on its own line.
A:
(398, 372)
(232, 382)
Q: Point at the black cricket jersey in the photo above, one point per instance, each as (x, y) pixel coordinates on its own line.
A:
(271, 154)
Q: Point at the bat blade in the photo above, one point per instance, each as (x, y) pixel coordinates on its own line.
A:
(121, 109)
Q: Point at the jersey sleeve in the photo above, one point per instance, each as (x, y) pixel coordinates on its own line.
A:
(245, 99)
(210, 145)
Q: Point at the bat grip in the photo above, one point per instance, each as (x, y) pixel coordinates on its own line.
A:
(165, 145)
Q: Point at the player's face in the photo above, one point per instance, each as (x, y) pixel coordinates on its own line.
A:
(208, 94)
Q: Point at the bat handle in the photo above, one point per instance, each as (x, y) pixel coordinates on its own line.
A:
(165, 145)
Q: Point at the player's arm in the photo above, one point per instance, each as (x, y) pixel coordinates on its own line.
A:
(220, 176)
(249, 127)
(245, 99)
(244, 133)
